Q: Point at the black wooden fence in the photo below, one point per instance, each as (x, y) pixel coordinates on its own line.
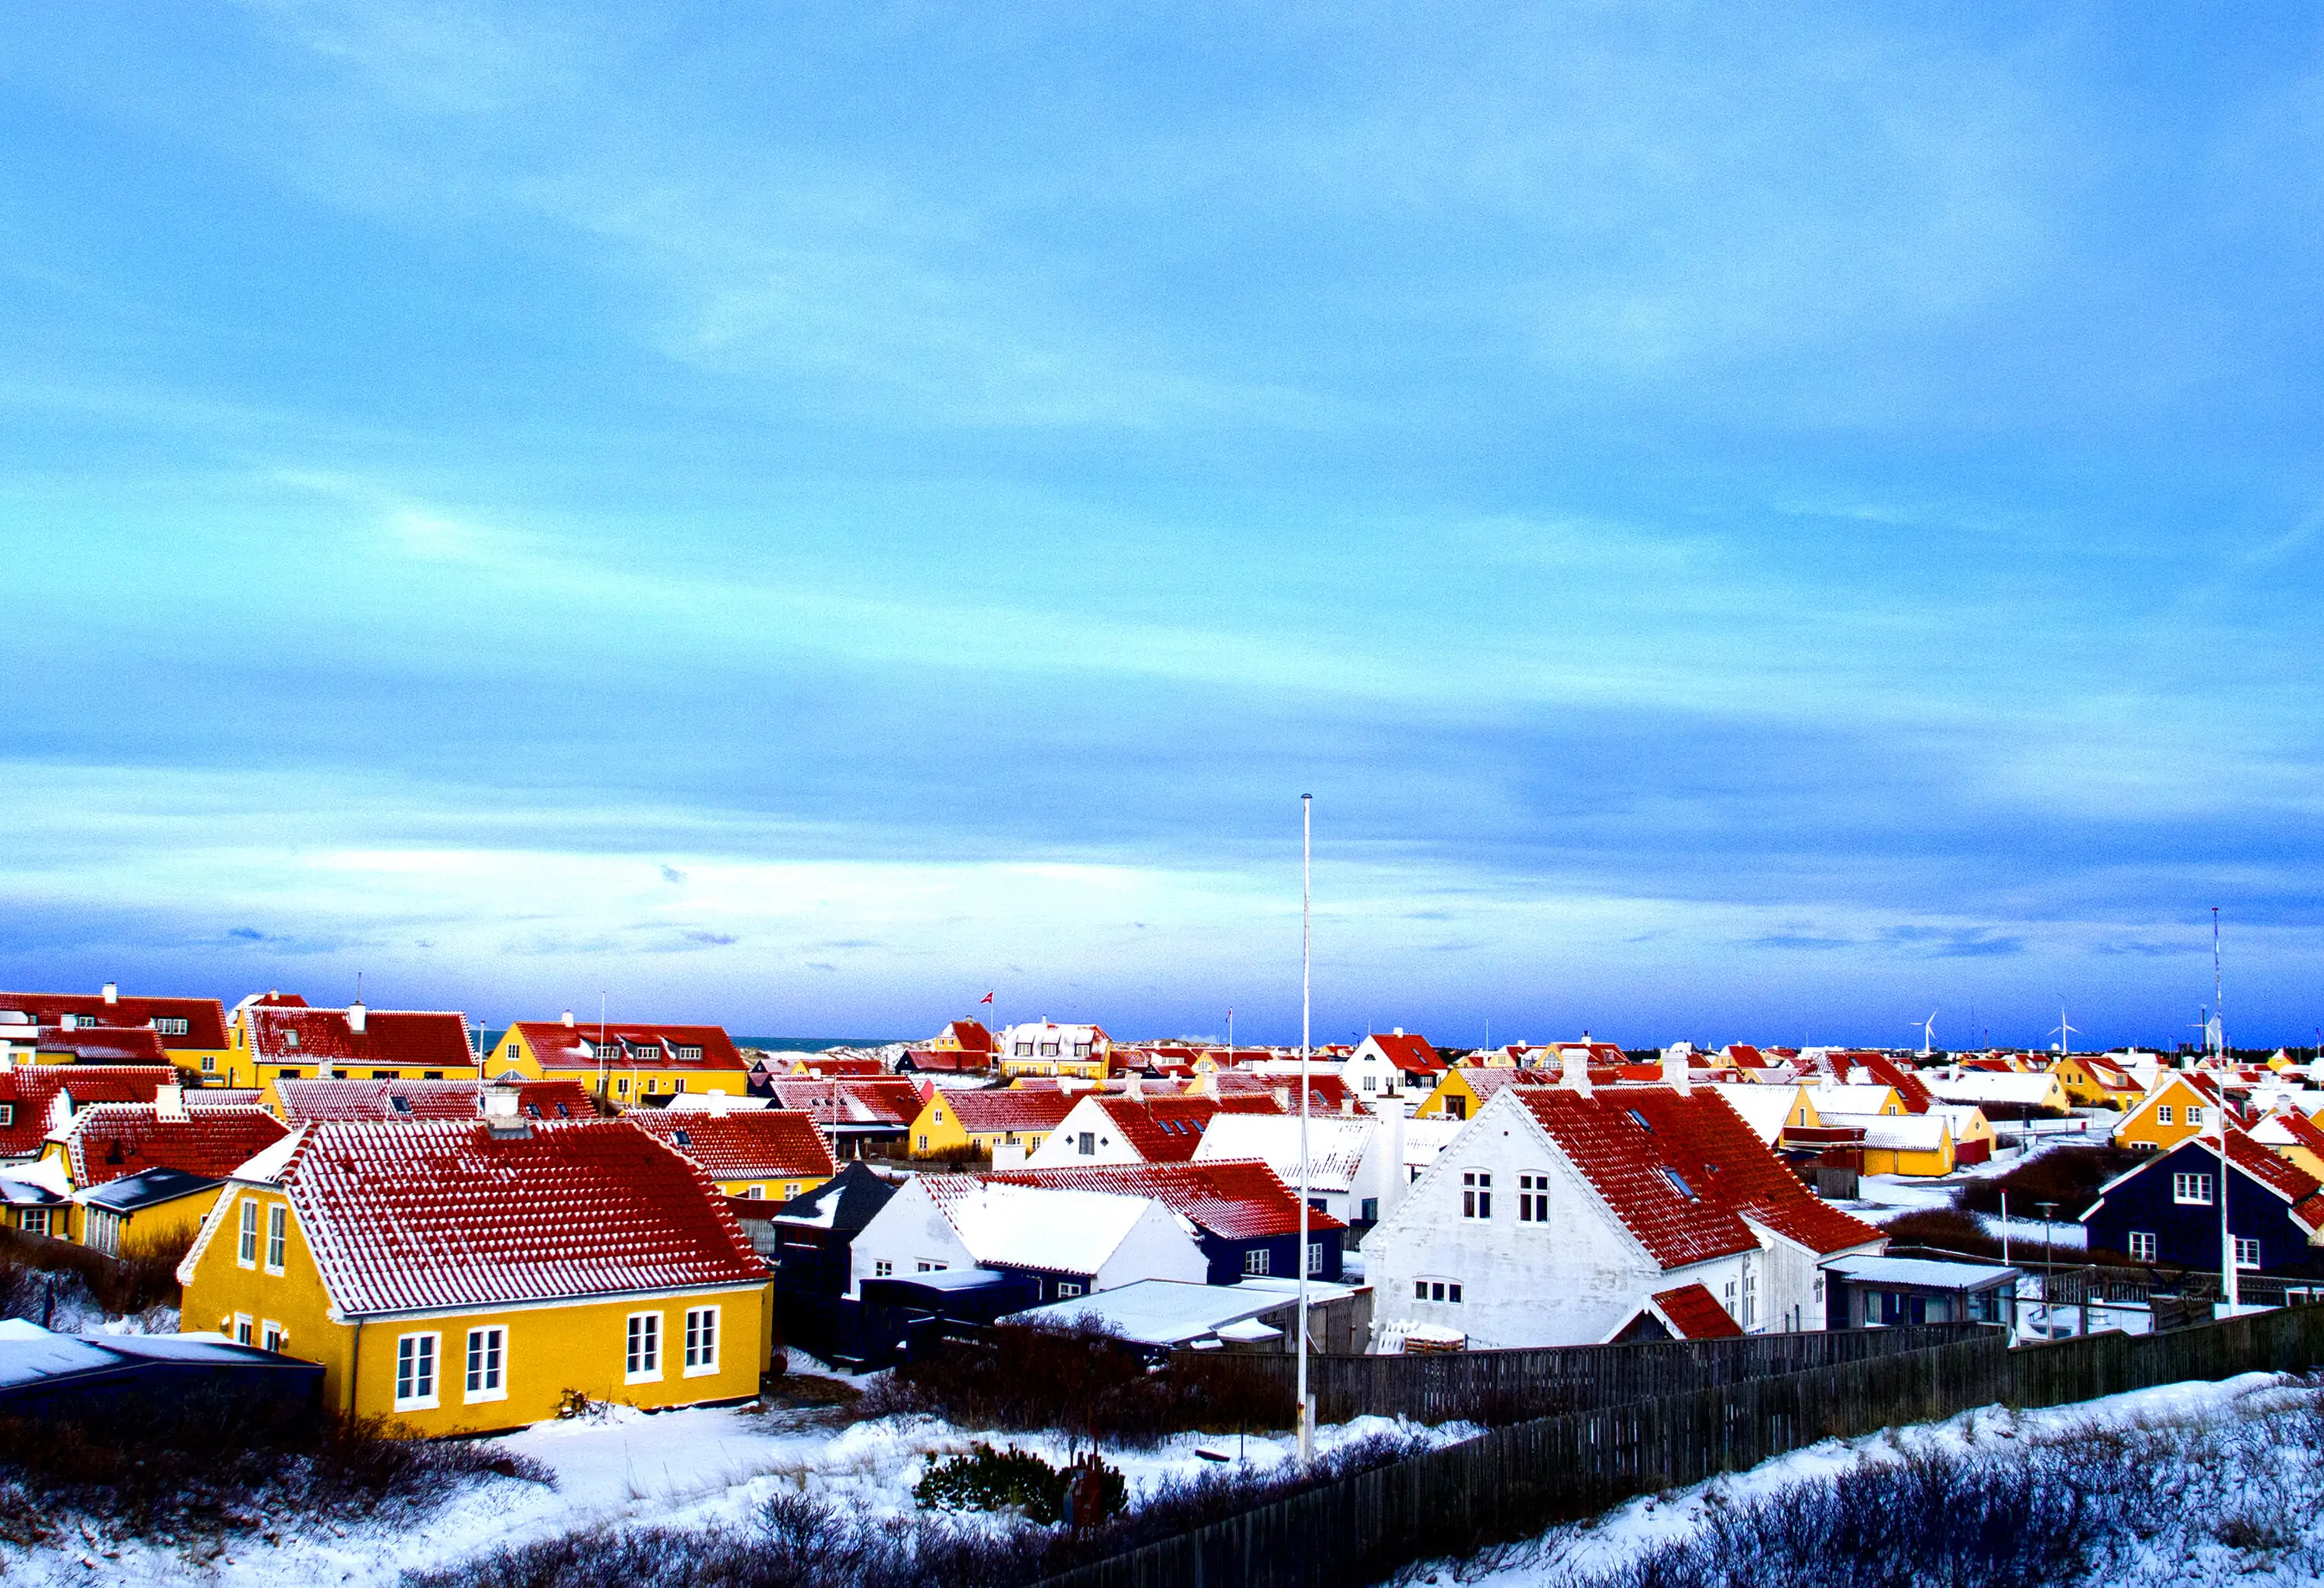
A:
(1497, 1387)
(1512, 1483)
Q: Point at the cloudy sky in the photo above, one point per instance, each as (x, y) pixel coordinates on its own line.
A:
(1750, 525)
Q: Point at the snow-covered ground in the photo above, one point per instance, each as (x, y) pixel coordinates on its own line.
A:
(695, 1468)
(1605, 1543)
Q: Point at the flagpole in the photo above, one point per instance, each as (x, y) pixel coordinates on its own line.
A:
(2229, 1290)
(1306, 963)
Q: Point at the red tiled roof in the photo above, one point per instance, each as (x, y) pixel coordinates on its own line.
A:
(1409, 1053)
(303, 1101)
(1910, 1091)
(424, 1039)
(972, 1035)
(107, 1141)
(818, 1066)
(30, 1091)
(891, 1100)
(629, 1045)
(949, 1059)
(2303, 1131)
(126, 1045)
(437, 1215)
(982, 1113)
(1623, 1139)
(1160, 1129)
(1236, 1201)
(205, 1018)
(749, 1144)
(1694, 1314)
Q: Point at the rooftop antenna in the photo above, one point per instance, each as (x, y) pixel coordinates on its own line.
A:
(1307, 983)
(359, 986)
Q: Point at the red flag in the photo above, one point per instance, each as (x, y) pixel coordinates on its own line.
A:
(986, 999)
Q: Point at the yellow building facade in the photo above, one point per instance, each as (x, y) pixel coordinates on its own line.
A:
(2176, 1111)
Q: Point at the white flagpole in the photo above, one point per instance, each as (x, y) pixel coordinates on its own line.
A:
(2229, 1290)
(1306, 962)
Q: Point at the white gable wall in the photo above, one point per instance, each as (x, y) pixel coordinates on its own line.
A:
(1571, 1281)
(908, 1232)
(1156, 1248)
(1062, 1147)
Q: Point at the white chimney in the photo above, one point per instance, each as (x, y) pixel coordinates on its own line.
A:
(169, 1103)
(1283, 1098)
(356, 1015)
(499, 1103)
(112, 991)
(568, 1020)
(1576, 1077)
(720, 1103)
(1677, 1073)
(1399, 1030)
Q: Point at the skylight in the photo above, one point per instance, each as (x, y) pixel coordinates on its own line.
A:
(1640, 1121)
(1678, 1183)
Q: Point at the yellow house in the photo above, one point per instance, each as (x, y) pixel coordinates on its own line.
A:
(283, 1041)
(1910, 1144)
(107, 1027)
(169, 1157)
(459, 1278)
(2183, 1104)
(624, 1063)
(960, 1122)
(2093, 1081)
(1460, 1092)
(754, 1153)
(154, 1213)
(2294, 1138)
(1045, 1047)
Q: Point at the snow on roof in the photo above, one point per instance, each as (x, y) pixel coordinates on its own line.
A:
(2012, 1087)
(1411, 1054)
(1424, 1139)
(108, 1141)
(1765, 1109)
(1043, 1228)
(1235, 1201)
(1831, 1097)
(126, 1045)
(1015, 1109)
(773, 1144)
(1335, 1146)
(425, 1100)
(1684, 1172)
(402, 1038)
(1928, 1272)
(1893, 1132)
(846, 1202)
(886, 1102)
(1172, 1312)
(1159, 1130)
(436, 1214)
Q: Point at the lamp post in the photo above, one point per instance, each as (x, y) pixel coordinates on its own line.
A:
(2049, 1273)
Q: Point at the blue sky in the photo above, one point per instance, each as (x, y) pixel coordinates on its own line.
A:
(1751, 525)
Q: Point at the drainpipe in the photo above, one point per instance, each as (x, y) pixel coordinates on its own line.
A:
(354, 1366)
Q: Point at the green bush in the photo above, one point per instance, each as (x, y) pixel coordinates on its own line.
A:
(986, 1479)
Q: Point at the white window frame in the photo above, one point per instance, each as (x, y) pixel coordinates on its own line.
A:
(2142, 1246)
(2162, 1114)
(881, 1268)
(246, 1246)
(2247, 1243)
(41, 1228)
(278, 1236)
(418, 1382)
(2191, 1189)
(246, 1329)
(1314, 1259)
(1067, 1288)
(641, 1349)
(1477, 1194)
(271, 1336)
(1257, 1262)
(486, 1361)
(2195, 1116)
(702, 1330)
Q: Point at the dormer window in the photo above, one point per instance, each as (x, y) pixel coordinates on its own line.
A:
(690, 1054)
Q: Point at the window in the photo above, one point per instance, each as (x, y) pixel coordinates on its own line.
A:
(291, 1040)
(924, 1141)
(2246, 1253)
(881, 1268)
(242, 1327)
(929, 1266)
(2194, 1190)
(1315, 1258)
(1048, 1051)
(1476, 1195)
(210, 1064)
(1750, 1299)
(245, 1251)
(36, 1221)
(754, 1193)
(1678, 1183)
(271, 1336)
(679, 1085)
(1533, 1199)
(1256, 1262)
(622, 1087)
(1080, 1050)
(790, 1189)
(1367, 1211)
(701, 1339)
(278, 1237)
(2142, 1246)
(8, 1114)
(415, 1372)
(690, 1054)
(169, 1026)
(685, 1137)
(1436, 1290)
(2195, 1114)
(1371, 1083)
(2162, 1114)
(1024, 1051)
(1067, 1287)
(642, 1364)
(1089, 1144)
(487, 1357)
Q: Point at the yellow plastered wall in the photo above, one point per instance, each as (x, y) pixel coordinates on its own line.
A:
(2143, 1126)
(777, 1188)
(1454, 1085)
(164, 1226)
(547, 1350)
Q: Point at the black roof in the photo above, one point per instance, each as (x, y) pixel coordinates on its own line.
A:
(860, 1194)
(147, 1188)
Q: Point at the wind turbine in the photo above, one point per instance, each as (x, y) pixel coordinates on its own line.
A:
(2064, 1033)
(1927, 1029)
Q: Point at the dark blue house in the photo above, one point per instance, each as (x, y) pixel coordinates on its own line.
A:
(2166, 1211)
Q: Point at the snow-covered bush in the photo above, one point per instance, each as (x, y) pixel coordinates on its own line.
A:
(985, 1478)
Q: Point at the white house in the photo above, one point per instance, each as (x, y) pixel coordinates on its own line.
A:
(1560, 1212)
(1355, 1162)
(1109, 1128)
(1392, 1064)
(1073, 1242)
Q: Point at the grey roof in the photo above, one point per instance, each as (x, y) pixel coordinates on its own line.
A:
(146, 1188)
(1171, 1312)
(845, 1202)
(1928, 1272)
